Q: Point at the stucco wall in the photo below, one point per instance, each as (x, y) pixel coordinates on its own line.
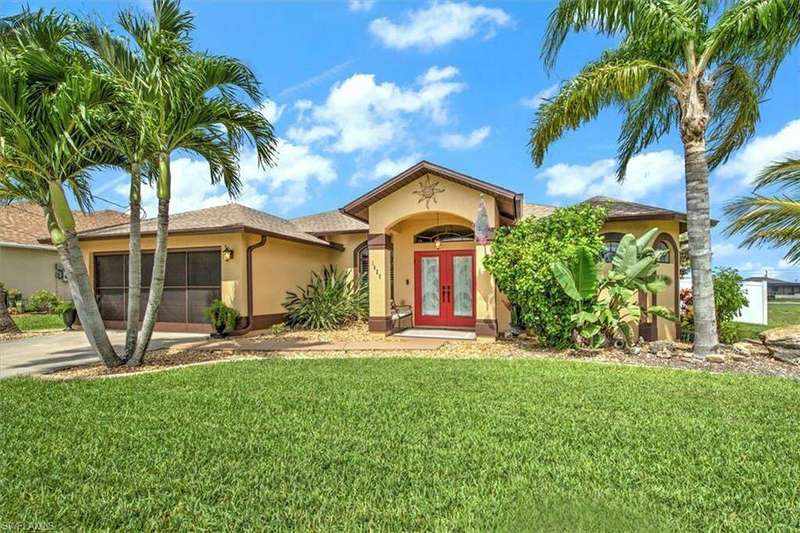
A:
(282, 266)
(29, 270)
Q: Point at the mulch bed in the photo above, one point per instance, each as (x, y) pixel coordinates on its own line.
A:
(26, 334)
(758, 363)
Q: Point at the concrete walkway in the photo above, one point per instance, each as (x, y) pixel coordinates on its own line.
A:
(45, 353)
(254, 345)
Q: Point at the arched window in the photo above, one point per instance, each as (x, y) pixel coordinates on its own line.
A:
(610, 246)
(361, 262)
(445, 234)
(666, 257)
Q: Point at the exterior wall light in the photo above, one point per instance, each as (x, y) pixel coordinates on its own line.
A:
(227, 253)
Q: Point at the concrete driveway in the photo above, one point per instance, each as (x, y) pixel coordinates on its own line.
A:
(45, 353)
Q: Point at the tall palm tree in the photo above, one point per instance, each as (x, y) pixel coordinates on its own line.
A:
(51, 108)
(772, 220)
(687, 65)
(194, 99)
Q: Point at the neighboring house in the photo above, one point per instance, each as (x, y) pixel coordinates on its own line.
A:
(777, 288)
(411, 238)
(28, 265)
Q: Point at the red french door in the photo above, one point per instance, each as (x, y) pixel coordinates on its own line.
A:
(444, 288)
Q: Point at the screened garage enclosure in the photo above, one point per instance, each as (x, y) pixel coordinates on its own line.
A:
(192, 283)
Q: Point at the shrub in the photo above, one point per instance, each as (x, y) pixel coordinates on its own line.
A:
(64, 306)
(44, 301)
(607, 310)
(219, 314)
(329, 301)
(520, 263)
(13, 296)
(729, 298)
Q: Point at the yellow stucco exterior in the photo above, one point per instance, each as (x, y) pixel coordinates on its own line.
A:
(393, 220)
(30, 269)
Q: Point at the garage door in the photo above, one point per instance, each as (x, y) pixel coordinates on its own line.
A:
(192, 283)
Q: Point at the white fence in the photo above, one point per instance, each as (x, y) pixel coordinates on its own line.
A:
(755, 312)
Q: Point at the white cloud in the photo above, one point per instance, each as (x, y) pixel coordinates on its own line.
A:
(438, 25)
(434, 74)
(384, 169)
(360, 5)
(286, 185)
(362, 114)
(271, 110)
(647, 173)
(459, 141)
(538, 99)
(725, 249)
(759, 153)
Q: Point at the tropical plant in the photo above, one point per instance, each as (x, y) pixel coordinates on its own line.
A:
(770, 220)
(729, 299)
(606, 302)
(701, 67)
(221, 316)
(330, 300)
(7, 324)
(520, 263)
(52, 106)
(44, 301)
(194, 99)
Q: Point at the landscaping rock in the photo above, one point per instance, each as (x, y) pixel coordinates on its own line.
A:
(739, 357)
(783, 343)
(715, 358)
(636, 350)
(741, 348)
(664, 353)
(657, 346)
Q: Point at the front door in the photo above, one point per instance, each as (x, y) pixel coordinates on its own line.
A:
(444, 288)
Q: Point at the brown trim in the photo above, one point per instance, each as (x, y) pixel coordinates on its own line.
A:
(486, 327)
(250, 318)
(356, 262)
(172, 327)
(338, 232)
(424, 167)
(380, 324)
(238, 228)
(379, 241)
(266, 321)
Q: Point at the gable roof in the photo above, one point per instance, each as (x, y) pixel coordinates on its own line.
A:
(330, 222)
(617, 209)
(24, 224)
(219, 219)
(509, 203)
(772, 281)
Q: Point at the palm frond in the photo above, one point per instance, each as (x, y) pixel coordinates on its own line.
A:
(785, 174)
(735, 99)
(763, 220)
(649, 117)
(612, 80)
(660, 20)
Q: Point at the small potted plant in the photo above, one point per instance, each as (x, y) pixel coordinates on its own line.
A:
(66, 308)
(221, 318)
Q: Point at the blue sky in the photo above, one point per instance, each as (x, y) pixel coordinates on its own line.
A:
(360, 89)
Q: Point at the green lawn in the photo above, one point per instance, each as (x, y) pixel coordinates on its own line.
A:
(33, 322)
(409, 444)
(779, 314)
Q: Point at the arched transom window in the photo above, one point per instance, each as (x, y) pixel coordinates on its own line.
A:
(445, 234)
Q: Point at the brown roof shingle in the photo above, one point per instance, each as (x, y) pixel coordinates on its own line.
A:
(24, 223)
(620, 209)
(330, 222)
(218, 219)
(537, 210)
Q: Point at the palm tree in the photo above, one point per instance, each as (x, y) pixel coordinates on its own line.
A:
(194, 101)
(688, 65)
(771, 220)
(51, 109)
(7, 324)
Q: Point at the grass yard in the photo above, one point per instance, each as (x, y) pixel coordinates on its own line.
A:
(35, 322)
(411, 444)
(779, 314)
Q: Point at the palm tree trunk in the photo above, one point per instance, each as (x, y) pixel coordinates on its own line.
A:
(699, 229)
(134, 262)
(7, 324)
(159, 263)
(83, 297)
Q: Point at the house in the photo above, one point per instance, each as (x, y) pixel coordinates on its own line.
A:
(411, 238)
(28, 265)
(777, 288)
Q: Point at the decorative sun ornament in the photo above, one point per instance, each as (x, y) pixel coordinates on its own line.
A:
(427, 192)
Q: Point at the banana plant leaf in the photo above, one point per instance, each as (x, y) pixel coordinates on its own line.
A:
(662, 312)
(646, 239)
